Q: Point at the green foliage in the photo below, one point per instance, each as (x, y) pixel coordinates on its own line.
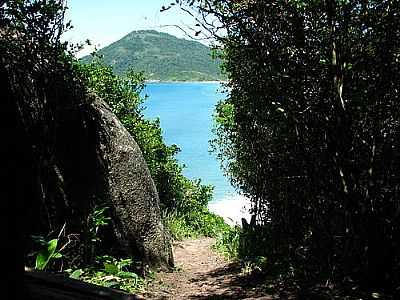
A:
(97, 219)
(246, 243)
(205, 222)
(106, 270)
(228, 241)
(48, 253)
(178, 227)
(36, 27)
(310, 131)
(195, 223)
(111, 272)
(161, 56)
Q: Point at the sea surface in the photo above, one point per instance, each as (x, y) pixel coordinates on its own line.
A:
(186, 112)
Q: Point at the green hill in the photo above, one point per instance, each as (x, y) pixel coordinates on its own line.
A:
(161, 56)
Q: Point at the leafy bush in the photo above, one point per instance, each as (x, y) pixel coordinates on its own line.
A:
(246, 243)
(178, 227)
(228, 241)
(111, 272)
(199, 222)
(205, 223)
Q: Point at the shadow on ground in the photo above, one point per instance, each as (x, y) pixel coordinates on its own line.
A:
(229, 282)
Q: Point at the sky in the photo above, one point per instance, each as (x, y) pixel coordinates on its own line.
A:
(106, 21)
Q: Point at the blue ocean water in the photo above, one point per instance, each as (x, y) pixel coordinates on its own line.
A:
(185, 111)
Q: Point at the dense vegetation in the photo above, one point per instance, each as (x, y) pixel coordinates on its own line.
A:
(34, 71)
(310, 132)
(46, 89)
(161, 56)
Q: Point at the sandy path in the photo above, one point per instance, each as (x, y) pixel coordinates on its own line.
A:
(202, 274)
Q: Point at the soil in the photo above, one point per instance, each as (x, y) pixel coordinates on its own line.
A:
(201, 273)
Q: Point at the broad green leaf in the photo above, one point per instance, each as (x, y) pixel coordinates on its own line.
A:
(41, 261)
(52, 246)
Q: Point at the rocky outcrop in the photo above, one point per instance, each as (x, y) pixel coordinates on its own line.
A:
(129, 190)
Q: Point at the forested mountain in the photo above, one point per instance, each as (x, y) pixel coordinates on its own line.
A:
(161, 56)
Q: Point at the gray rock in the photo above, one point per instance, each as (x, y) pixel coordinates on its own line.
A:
(130, 191)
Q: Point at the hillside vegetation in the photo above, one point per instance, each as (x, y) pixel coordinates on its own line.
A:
(161, 56)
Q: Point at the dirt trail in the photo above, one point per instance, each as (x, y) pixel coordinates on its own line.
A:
(202, 274)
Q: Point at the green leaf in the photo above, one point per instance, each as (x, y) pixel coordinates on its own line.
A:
(56, 255)
(76, 274)
(110, 268)
(124, 263)
(44, 256)
(124, 274)
(52, 246)
(41, 261)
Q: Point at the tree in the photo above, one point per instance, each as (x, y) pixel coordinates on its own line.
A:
(310, 129)
(30, 52)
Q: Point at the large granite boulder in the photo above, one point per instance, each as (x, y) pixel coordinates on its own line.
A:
(95, 162)
(129, 190)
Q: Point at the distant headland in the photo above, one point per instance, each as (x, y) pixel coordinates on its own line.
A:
(162, 57)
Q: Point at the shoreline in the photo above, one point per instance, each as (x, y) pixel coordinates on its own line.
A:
(232, 208)
(172, 81)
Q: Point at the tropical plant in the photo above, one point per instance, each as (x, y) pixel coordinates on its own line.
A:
(111, 272)
(48, 253)
(228, 243)
(97, 219)
(49, 250)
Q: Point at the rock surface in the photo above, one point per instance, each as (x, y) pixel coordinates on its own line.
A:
(130, 191)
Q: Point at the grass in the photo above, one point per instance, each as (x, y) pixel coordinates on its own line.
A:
(194, 224)
(227, 242)
(178, 227)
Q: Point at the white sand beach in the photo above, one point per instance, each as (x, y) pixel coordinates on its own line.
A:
(232, 208)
